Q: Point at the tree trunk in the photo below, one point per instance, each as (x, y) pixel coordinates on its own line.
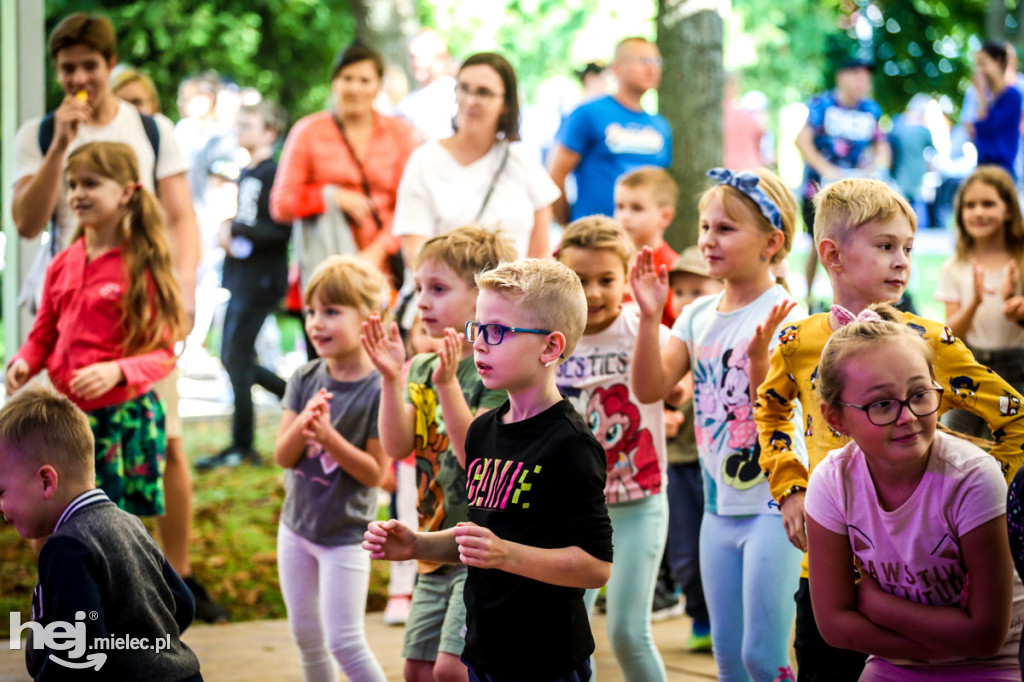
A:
(995, 20)
(690, 97)
(387, 26)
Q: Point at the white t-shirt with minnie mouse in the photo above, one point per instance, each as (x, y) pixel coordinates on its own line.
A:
(734, 482)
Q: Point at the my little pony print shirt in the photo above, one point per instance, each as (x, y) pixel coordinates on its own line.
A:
(596, 380)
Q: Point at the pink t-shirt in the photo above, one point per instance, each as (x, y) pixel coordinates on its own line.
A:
(741, 142)
(914, 551)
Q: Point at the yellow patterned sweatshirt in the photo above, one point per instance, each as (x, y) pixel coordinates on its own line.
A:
(793, 377)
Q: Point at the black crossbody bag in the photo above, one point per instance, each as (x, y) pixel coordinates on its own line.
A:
(395, 259)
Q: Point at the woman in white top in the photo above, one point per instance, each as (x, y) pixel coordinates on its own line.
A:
(477, 175)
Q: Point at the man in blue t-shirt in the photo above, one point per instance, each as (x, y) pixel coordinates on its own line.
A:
(612, 135)
(840, 139)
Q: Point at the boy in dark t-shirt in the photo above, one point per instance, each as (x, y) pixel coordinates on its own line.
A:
(256, 274)
(538, 532)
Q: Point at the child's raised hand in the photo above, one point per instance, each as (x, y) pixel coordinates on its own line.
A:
(389, 540)
(649, 283)
(385, 348)
(17, 375)
(479, 547)
(96, 379)
(1013, 308)
(759, 342)
(1010, 281)
(317, 425)
(320, 401)
(449, 355)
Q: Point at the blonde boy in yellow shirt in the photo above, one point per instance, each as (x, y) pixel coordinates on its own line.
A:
(864, 233)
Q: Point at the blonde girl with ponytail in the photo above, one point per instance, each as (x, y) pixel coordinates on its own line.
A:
(110, 315)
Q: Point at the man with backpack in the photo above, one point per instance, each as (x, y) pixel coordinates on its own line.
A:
(83, 48)
(84, 51)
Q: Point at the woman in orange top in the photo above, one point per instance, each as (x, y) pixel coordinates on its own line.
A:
(351, 159)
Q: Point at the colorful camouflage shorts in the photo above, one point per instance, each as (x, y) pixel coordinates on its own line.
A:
(130, 451)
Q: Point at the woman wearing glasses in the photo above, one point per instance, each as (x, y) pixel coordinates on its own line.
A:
(922, 514)
(340, 170)
(477, 175)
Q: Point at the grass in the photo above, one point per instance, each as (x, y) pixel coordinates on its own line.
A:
(234, 550)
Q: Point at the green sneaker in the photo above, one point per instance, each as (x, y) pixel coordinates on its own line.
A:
(698, 643)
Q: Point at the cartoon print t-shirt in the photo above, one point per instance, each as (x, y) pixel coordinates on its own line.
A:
(440, 481)
(596, 381)
(914, 551)
(322, 502)
(734, 483)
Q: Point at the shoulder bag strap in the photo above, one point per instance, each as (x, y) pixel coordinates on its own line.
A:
(362, 171)
(494, 181)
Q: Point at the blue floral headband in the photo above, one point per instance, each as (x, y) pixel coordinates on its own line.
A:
(747, 182)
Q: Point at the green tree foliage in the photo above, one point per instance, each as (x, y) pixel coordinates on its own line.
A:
(536, 36)
(283, 48)
(789, 41)
(922, 47)
(539, 35)
(917, 46)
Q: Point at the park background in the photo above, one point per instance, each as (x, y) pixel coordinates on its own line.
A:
(284, 48)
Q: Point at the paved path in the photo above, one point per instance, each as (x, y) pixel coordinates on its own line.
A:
(262, 651)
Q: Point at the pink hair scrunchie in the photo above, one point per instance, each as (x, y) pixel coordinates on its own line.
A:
(845, 317)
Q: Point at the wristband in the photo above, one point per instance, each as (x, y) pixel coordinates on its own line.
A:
(792, 491)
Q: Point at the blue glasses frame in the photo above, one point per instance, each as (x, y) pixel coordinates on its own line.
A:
(475, 330)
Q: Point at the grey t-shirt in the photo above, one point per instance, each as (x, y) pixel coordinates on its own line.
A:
(322, 502)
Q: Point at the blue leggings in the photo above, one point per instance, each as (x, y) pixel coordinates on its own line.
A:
(750, 572)
(639, 529)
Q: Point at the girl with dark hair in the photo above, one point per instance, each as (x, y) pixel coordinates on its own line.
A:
(345, 163)
(997, 125)
(477, 175)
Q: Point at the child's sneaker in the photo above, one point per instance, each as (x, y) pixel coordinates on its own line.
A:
(700, 638)
(666, 604)
(397, 610)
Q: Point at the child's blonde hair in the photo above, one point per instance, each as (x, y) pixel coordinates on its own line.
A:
(772, 185)
(999, 180)
(467, 250)
(128, 75)
(349, 281)
(856, 337)
(659, 181)
(595, 232)
(40, 426)
(547, 292)
(843, 206)
(148, 324)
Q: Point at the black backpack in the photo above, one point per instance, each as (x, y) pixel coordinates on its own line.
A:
(46, 130)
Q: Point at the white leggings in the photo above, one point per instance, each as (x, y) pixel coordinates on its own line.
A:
(324, 590)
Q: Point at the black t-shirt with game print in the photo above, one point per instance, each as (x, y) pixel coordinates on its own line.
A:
(537, 482)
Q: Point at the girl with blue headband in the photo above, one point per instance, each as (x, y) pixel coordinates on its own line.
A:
(749, 569)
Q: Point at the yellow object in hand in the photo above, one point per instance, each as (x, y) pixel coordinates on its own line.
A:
(82, 96)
